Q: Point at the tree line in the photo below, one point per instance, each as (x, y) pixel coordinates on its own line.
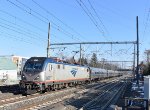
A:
(93, 62)
(145, 67)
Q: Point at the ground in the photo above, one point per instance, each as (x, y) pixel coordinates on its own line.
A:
(132, 91)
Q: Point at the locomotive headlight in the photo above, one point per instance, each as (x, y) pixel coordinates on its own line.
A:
(23, 77)
(38, 77)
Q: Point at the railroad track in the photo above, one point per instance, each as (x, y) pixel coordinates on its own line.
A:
(6, 98)
(39, 101)
(77, 95)
(31, 100)
(81, 100)
(78, 101)
(105, 98)
(6, 95)
(23, 102)
(63, 96)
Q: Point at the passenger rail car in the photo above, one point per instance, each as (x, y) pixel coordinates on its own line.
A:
(98, 73)
(41, 73)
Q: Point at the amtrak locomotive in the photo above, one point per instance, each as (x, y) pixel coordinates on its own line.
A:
(44, 74)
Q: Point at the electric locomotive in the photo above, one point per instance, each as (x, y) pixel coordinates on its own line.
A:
(41, 74)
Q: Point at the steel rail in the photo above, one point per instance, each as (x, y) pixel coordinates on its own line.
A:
(92, 104)
(113, 96)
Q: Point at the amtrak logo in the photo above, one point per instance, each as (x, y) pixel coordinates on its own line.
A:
(74, 71)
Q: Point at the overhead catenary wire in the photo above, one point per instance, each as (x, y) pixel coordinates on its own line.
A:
(22, 33)
(18, 38)
(58, 19)
(42, 18)
(27, 30)
(19, 30)
(23, 21)
(89, 14)
(55, 26)
(117, 13)
(103, 26)
(38, 36)
(21, 41)
(93, 18)
(31, 12)
(129, 48)
(8, 27)
(98, 16)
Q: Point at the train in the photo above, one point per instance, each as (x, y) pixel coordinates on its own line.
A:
(8, 72)
(42, 74)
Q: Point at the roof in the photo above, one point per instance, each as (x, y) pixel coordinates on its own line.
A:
(51, 60)
(7, 64)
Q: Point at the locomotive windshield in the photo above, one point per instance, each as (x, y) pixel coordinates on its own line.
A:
(33, 66)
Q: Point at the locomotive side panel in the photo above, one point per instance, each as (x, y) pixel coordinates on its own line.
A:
(65, 73)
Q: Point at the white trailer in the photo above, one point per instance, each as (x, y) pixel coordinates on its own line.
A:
(8, 72)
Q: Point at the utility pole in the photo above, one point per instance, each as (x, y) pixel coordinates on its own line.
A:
(48, 44)
(137, 69)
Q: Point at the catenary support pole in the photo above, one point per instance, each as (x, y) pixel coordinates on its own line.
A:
(48, 44)
(137, 69)
(134, 61)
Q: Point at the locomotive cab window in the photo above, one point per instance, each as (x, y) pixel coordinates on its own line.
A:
(50, 67)
(63, 66)
(58, 66)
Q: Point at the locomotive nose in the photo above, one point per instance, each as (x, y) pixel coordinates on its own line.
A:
(28, 76)
(36, 76)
